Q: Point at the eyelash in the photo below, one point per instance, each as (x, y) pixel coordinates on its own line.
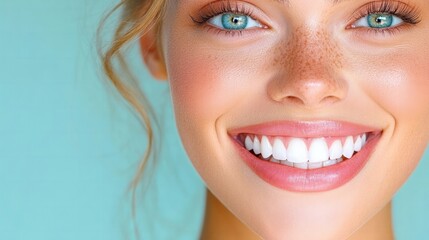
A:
(409, 15)
(406, 13)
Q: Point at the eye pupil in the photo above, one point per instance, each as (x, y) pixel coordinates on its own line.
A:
(234, 21)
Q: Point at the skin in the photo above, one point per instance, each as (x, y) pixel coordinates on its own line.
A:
(306, 65)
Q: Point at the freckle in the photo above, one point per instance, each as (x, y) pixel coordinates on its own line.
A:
(303, 50)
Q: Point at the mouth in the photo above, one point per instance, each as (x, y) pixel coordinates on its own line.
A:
(306, 156)
(304, 153)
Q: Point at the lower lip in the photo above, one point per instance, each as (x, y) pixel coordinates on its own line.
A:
(308, 180)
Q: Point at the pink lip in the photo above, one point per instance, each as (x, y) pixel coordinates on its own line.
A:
(311, 180)
(305, 129)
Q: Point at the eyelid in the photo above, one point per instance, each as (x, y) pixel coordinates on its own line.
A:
(409, 14)
(215, 8)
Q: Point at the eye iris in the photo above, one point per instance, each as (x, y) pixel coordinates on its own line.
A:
(234, 21)
(379, 20)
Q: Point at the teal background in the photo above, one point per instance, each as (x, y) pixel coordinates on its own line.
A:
(69, 146)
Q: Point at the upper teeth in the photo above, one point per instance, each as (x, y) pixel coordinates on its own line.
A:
(296, 150)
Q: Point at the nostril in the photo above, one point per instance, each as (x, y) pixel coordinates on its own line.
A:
(310, 101)
(329, 100)
(308, 92)
(294, 100)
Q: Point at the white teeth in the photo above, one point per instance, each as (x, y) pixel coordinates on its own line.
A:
(318, 150)
(315, 165)
(336, 150)
(297, 151)
(279, 150)
(248, 143)
(348, 148)
(358, 144)
(302, 165)
(256, 146)
(297, 155)
(266, 149)
(363, 139)
(290, 164)
(329, 162)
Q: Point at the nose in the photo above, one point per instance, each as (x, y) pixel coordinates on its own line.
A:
(310, 71)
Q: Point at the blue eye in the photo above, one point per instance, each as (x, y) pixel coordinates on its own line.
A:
(378, 20)
(234, 21)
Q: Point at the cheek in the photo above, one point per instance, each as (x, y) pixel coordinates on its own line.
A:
(401, 86)
(193, 80)
(207, 83)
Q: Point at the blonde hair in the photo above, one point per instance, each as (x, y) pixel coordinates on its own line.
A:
(138, 17)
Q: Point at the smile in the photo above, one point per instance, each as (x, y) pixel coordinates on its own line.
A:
(306, 156)
(304, 153)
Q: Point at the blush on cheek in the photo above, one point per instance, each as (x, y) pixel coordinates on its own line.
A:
(199, 86)
(398, 81)
(208, 83)
(403, 91)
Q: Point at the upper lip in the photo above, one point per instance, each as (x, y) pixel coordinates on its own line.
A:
(305, 129)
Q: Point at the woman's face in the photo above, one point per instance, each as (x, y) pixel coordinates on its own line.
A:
(265, 88)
